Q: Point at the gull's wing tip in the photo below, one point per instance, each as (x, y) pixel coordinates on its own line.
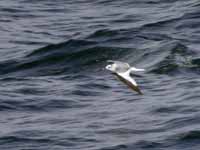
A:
(135, 88)
(111, 61)
(139, 91)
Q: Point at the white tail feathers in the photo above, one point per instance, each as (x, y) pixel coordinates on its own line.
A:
(136, 69)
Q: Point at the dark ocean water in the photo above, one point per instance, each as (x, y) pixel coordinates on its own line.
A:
(56, 95)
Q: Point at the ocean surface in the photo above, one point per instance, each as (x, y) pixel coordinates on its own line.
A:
(55, 93)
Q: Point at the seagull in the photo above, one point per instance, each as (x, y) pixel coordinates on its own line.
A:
(122, 70)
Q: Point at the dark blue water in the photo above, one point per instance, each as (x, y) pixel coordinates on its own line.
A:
(56, 95)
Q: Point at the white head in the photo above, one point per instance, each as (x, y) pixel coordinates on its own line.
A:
(111, 67)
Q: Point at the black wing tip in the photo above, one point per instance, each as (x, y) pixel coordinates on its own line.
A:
(139, 91)
(135, 88)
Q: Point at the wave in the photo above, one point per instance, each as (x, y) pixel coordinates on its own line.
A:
(70, 56)
(177, 58)
(78, 56)
(191, 135)
(138, 145)
(186, 139)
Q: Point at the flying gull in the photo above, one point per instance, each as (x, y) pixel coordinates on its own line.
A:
(122, 70)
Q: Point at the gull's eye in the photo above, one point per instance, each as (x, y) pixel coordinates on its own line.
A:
(108, 66)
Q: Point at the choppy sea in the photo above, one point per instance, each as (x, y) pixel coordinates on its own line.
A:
(55, 93)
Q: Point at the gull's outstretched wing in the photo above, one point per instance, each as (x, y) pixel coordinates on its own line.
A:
(118, 63)
(126, 78)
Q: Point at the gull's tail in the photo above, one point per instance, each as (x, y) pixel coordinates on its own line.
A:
(136, 69)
